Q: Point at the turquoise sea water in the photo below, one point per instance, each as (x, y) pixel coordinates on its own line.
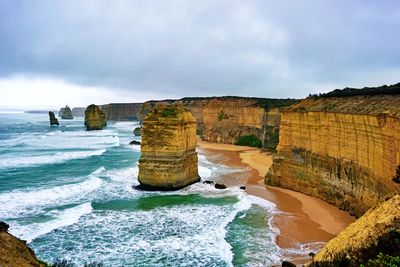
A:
(69, 193)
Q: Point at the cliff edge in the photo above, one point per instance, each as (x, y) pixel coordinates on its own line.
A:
(342, 149)
(377, 231)
(15, 252)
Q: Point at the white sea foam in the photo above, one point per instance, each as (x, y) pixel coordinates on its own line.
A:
(25, 161)
(15, 203)
(62, 218)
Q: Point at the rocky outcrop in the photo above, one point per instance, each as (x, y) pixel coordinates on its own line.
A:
(15, 252)
(53, 119)
(95, 118)
(226, 119)
(377, 231)
(122, 111)
(344, 150)
(67, 114)
(137, 131)
(169, 158)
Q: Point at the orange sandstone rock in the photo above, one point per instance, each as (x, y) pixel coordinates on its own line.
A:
(169, 157)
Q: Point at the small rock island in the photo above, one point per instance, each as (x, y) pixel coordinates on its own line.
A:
(67, 113)
(95, 118)
(53, 119)
(169, 157)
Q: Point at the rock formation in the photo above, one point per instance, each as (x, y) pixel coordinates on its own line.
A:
(15, 252)
(137, 131)
(344, 150)
(169, 158)
(226, 119)
(95, 118)
(53, 119)
(377, 231)
(122, 111)
(67, 114)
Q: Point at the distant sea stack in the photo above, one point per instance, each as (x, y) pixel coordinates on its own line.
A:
(67, 114)
(95, 118)
(169, 157)
(53, 119)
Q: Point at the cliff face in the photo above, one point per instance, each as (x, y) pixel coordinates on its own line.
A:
(344, 150)
(15, 252)
(122, 111)
(376, 231)
(95, 118)
(67, 113)
(169, 159)
(225, 119)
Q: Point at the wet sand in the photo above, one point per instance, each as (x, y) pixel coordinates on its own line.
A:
(304, 222)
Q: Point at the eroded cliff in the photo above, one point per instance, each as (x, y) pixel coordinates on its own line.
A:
(15, 252)
(122, 111)
(225, 119)
(344, 150)
(377, 231)
(168, 149)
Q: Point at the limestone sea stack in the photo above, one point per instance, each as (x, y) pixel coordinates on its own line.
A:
(67, 114)
(95, 118)
(169, 157)
(53, 119)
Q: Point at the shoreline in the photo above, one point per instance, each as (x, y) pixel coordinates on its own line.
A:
(304, 222)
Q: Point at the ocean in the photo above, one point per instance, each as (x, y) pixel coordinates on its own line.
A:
(69, 193)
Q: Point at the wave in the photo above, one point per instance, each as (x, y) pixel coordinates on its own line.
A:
(62, 219)
(15, 203)
(27, 161)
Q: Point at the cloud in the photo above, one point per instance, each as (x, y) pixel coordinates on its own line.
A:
(188, 48)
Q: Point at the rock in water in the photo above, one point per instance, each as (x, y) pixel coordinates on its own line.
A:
(169, 157)
(15, 252)
(134, 142)
(67, 114)
(95, 118)
(137, 131)
(53, 119)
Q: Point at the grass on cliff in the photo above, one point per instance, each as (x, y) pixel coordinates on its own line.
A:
(168, 112)
(249, 140)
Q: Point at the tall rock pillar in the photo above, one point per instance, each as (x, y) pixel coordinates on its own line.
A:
(169, 157)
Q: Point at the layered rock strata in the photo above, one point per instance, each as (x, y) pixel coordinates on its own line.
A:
(344, 150)
(377, 231)
(226, 119)
(53, 119)
(67, 113)
(95, 118)
(122, 111)
(168, 148)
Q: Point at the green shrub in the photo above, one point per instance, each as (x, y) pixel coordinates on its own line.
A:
(384, 261)
(248, 140)
(168, 111)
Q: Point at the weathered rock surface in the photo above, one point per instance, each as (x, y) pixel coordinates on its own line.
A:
(15, 252)
(95, 118)
(376, 231)
(169, 157)
(53, 119)
(122, 111)
(344, 150)
(225, 119)
(67, 113)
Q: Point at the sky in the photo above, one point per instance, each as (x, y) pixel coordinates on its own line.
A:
(79, 52)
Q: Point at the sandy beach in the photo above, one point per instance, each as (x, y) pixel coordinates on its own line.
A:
(304, 222)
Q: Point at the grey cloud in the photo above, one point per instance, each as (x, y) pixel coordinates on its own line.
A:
(181, 48)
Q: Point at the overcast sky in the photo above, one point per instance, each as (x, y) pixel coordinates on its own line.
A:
(80, 52)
